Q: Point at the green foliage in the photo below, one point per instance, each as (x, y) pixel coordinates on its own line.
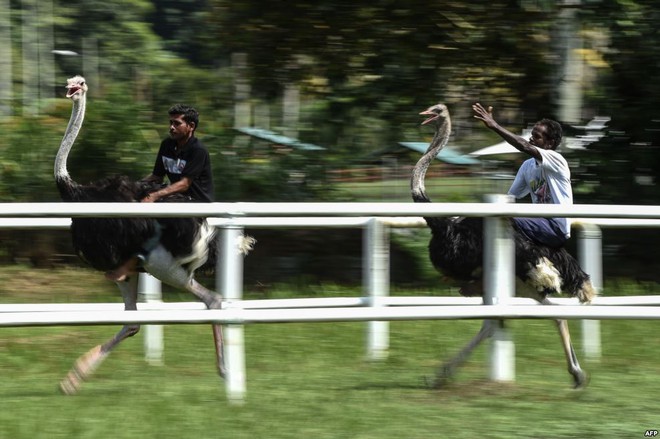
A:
(368, 68)
(268, 176)
(177, 80)
(626, 163)
(112, 141)
(180, 24)
(26, 170)
(364, 70)
(123, 37)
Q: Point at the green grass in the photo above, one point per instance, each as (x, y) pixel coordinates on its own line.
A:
(313, 381)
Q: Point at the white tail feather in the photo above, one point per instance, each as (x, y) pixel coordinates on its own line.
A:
(245, 244)
(544, 276)
(200, 248)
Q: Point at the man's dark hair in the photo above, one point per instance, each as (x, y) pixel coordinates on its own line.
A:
(190, 115)
(552, 131)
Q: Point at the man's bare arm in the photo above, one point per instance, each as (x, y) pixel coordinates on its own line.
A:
(522, 145)
(174, 188)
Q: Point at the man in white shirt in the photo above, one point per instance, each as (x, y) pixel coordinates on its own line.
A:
(546, 177)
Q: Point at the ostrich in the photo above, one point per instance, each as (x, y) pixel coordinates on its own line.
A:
(456, 249)
(177, 246)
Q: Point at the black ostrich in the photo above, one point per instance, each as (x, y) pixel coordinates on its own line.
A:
(178, 246)
(456, 249)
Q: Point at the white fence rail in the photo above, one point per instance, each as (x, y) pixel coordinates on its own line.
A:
(239, 316)
(376, 307)
(324, 302)
(230, 210)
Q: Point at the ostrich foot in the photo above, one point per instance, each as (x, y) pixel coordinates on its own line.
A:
(580, 379)
(442, 377)
(81, 370)
(222, 369)
(448, 369)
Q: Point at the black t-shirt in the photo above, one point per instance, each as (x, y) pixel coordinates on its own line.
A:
(191, 161)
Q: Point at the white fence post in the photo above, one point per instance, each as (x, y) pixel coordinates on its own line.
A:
(229, 279)
(499, 284)
(591, 259)
(376, 280)
(150, 290)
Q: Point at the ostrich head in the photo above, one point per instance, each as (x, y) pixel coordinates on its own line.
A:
(76, 87)
(437, 113)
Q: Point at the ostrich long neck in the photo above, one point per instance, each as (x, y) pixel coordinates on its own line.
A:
(439, 141)
(64, 182)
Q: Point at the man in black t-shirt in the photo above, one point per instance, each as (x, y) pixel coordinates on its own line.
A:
(183, 159)
(185, 162)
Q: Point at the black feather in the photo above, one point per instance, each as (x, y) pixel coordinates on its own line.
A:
(106, 243)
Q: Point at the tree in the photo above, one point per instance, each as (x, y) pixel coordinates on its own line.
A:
(625, 164)
(372, 65)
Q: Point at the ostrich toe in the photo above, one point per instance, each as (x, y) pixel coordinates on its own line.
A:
(580, 380)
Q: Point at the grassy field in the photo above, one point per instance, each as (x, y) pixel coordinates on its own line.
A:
(313, 381)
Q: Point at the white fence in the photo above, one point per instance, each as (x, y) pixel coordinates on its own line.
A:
(379, 309)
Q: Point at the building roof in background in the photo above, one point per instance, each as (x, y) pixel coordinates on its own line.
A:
(591, 132)
(272, 137)
(501, 148)
(498, 148)
(447, 154)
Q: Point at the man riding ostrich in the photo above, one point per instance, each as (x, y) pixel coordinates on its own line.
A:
(456, 249)
(172, 248)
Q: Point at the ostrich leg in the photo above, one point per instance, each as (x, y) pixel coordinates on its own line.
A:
(90, 361)
(447, 370)
(580, 377)
(219, 357)
(163, 266)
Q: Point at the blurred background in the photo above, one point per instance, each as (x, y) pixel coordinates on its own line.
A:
(319, 101)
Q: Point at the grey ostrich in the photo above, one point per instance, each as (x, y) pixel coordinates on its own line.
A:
(456, 249)
(178, 246)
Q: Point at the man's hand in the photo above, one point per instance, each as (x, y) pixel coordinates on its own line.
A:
(486, 116)
(151, 198)
(179, 187)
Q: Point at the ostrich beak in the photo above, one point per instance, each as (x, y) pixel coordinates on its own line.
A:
(431, 113)
(72, 90)
(75, 85)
